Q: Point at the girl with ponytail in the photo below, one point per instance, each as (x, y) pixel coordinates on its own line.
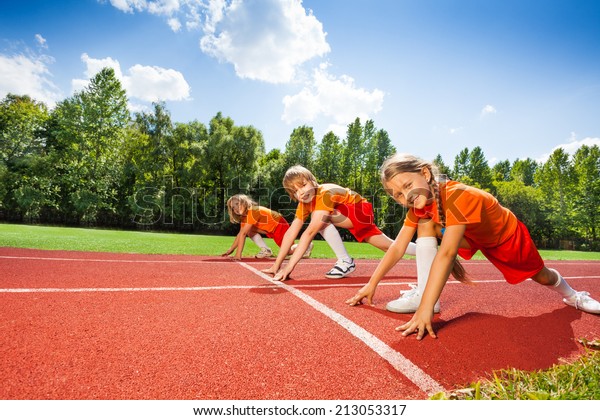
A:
(468, 219)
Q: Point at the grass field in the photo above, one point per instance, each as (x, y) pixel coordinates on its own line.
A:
(576, 380)
(103, 240)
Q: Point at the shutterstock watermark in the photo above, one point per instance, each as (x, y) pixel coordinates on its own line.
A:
(169, 204)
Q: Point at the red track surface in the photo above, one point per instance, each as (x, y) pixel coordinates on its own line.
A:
(113, 326)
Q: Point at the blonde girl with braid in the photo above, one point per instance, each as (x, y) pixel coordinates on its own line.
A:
(472, 220)
(254, 221)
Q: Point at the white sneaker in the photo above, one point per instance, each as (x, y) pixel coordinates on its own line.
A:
(583, 302)
(264, 253)
(341, 269)
(308, 250)
(409, 302)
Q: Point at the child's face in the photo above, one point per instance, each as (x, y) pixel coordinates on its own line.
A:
(238, 207)
(411, 189)
(305, 190)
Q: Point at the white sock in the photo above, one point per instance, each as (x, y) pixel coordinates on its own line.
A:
(334, 240)
(411, 249)
(259, 241)
(426, 250)
(562, 287)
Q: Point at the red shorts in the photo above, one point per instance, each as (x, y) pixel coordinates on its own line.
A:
(362, 218)
(277, 234)
(518, 259)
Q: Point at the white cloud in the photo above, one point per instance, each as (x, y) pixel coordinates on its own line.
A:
(28, 75)
(336, 98)
(174, 24)
(156, 7)
(151, 83)
(129, 6)
(488, 110)
(265, 40)
(571, 146)
(146, 83)
(41, 41)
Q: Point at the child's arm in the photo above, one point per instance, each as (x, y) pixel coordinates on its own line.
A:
(286, 243)
(318, 219)
(241, 240)
(233, 246)
(391, 257)
(438, 276)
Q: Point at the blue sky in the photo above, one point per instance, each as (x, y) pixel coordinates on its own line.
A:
(516, 77)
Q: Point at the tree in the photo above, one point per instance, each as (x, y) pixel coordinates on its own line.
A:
(556, 181)
(479, 170)
(232, 156)
(353, 149)
(471, 168)
(442, 167)
(379, 148)
(86, 133)
(526, 203)
(524, 171)
(21, 122)
(586, 164)
(461, 170)
(328, 163)
(501, 171)
(24, 185)
(300, 148)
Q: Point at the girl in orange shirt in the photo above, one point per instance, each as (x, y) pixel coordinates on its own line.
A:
(255, 221)
(327, 205)
(470, 220)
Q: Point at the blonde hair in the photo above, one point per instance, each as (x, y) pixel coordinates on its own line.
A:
(401, 163)
(240, 198)
(294, 175)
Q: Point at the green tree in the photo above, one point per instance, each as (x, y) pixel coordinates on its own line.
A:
(526, 203)
(353, 149)
(479, 170)
(232, 156)
(21, 127)
(586, 164)
(461, 170)
(87, 134)
(555, 179)
(524, 171)
(24, 185)
(501, 171)
(442, 167)
(300, 148)
(379, 148)
(328, 163)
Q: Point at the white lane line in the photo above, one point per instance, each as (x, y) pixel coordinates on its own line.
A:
(210, 288)
(425, 382)
(126, 289)
(10, 257)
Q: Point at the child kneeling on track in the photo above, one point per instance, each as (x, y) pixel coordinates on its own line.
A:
(327, 204)
(471, 220)
(255, 221)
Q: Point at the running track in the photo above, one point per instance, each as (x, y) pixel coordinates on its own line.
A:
(125, 326)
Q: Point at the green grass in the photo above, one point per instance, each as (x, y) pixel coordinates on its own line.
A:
(578, 380)
(103, 240)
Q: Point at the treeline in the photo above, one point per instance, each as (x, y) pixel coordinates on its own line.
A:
(89, 162)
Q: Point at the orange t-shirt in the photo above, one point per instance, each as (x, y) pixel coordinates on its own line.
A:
(488, 223)
(327, 197)
(263, 218)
